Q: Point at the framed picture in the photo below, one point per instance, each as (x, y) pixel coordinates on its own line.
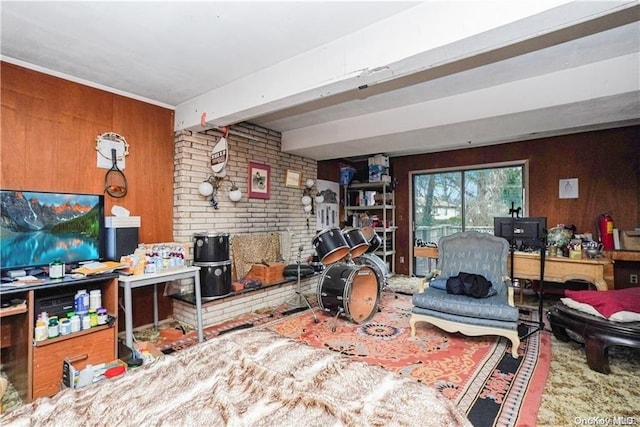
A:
(259, 180)
(293, 179)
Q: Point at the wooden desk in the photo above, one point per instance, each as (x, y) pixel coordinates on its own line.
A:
(598, 271)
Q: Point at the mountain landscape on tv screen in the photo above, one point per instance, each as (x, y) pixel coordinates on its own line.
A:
(37, 228)
(21, 214)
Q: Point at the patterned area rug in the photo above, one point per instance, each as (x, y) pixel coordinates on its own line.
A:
(477, 373)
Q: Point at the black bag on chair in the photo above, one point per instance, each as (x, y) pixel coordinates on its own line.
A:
(473, 285)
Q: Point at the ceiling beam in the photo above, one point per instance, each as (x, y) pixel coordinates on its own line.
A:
(407, 43)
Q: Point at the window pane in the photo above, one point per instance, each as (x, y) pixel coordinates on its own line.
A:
(442, 208)
(489, 193)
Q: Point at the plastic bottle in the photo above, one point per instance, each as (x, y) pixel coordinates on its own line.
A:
(102, 316)
(81, 302)
(65, 327)
(56, 269)
(86, 322)
(42, 331)
(54, 329)
(93, 317)
(95, 299)
(75, 323)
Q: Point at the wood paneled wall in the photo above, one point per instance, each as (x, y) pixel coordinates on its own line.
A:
(607, 164)
(49, 126)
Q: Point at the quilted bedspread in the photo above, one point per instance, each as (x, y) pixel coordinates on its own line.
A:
(252, 377)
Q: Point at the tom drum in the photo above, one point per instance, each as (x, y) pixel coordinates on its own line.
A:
(357, 242)
(213, 247)
(373, 239)
(215, 278)
(349, 290)
(330, 245)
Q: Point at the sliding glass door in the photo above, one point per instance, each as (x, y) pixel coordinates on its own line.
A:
(446, 202)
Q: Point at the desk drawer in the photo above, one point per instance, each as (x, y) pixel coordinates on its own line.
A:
(93, 348)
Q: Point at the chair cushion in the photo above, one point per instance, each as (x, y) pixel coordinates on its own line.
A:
(494, 307)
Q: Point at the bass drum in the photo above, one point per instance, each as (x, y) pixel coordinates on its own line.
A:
(330, 245)
(373, 239)
(349, 290)
(378, 265)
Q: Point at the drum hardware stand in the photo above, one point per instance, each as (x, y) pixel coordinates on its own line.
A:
(298, 295)
(335, 319)
(538, 327)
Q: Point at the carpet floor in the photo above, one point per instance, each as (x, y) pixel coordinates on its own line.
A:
(573, 394)
(477, 373)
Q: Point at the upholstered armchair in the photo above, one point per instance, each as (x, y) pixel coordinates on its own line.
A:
(477, 253)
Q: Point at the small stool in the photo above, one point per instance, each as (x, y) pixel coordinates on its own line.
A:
(599, 334)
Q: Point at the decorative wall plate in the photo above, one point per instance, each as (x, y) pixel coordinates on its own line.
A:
(219, 155)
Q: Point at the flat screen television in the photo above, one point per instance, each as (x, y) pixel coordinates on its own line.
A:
(40, 227)
(523, 234)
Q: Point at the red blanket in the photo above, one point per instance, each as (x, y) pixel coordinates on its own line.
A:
(609, 302)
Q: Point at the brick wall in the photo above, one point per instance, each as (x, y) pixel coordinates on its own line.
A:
(282, 212)
(218, 311)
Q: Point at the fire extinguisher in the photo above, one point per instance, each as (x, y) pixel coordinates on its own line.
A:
(605, 229)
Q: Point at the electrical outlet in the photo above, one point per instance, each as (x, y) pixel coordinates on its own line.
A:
(402, 262)
(633, 279)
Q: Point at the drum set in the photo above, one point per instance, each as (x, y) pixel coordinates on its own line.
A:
(354, 277)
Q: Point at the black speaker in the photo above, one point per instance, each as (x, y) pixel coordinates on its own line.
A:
(121, 241)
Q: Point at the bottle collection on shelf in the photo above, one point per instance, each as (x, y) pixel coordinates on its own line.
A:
(163, 257)
(155, 258)
(88, 313)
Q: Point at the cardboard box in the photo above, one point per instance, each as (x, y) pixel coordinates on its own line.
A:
(146, 351)
(272, 273)
(630, 240)
(379, 160)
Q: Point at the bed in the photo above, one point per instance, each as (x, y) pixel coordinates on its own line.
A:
(251, 377)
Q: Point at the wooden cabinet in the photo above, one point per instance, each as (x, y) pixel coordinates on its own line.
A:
(375, 199)
(91, 347)
(35, 368)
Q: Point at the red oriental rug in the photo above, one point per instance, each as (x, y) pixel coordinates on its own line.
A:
(477, 373)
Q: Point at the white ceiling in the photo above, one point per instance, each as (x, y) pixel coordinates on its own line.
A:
(348, 79)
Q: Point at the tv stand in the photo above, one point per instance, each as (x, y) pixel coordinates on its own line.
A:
(35, 368)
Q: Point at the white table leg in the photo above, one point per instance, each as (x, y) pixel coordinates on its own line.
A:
(196, 286)
(128, 316)
(155, 307)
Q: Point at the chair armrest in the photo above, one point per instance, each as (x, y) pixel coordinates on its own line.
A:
(510, 292)
(424, 283)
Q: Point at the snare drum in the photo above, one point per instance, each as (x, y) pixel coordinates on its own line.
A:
(330, 245)
(357, 242)
(349, 290)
